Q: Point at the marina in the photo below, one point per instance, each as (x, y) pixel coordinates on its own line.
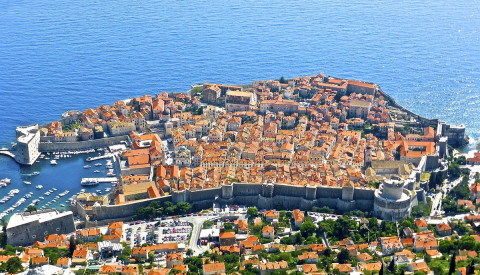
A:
(48, 186)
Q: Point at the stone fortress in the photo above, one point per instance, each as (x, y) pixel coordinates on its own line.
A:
(27, 228)
(389, 203)
(392, 201)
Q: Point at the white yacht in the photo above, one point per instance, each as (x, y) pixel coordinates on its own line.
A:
(53, 162)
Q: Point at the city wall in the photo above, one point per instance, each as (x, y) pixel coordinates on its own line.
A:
(282, 197)
(80, 145)
(117, 211)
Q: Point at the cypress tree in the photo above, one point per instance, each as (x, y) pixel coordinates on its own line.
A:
(381, 270)
(391, 266)
(452, 265)
(471, 268)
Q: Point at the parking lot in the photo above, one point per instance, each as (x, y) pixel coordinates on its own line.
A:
(156, 232)
(173, 231)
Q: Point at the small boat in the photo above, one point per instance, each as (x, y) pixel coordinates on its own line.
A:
(42, 198)
(87, 166)
(39, 187)
(54, 189)
(96, 171)
(62, 205)
(53, 162)
(5, 180)
(36, 173)
(27, 182)
(98, 164)
(47, 193)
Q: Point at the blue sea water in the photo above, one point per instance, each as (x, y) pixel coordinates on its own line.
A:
(62, 55)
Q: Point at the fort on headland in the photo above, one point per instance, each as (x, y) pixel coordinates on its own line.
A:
(297, 143)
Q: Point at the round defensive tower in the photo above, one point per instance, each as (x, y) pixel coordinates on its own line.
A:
(392, 201)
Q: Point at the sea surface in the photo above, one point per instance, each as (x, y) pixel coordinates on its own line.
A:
(63, 55)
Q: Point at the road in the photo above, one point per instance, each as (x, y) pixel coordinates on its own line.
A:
(198, 221)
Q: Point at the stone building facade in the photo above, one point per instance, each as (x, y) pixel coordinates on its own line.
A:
(26, 228)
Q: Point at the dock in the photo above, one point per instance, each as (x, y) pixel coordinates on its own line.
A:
(92, 181)
(7, 152)
(106, 156)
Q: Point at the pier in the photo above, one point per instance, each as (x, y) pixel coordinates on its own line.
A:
(106, 156)
(95, 181)
(7, 152)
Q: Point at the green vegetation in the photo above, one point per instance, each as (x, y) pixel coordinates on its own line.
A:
(135, 104)
(323, 209)
(125, 256)
(421, 210)
(284, 219)
(196, 91)
(71, 127)
(307, 228)
(3, 235)
(252, 212)
(13, 266)
(344, 227)
(11, 250)
(454, 170)
(207, 224)
(459, 192)
(435, 180)
(53, 253)
(425, 177)
(465, 242)
(157, 209)
(282, 80)
(31, 208)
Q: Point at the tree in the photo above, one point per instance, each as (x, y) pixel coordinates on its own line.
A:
(3, 235)
(451, 270)
(471, 268)
(282, 80)
(343, 257)
(307, 228)
(31, 208)
(14, 265)
(466, 242)
(252, 212)
(391, 266)
(454, 170)
(73, 245)
(183, 208)
(381, 270)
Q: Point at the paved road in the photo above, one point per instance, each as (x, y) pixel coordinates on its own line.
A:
(197, 222)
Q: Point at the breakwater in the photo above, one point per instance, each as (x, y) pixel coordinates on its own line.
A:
(80, 145)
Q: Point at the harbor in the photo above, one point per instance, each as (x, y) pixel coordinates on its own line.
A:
(54, 186)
